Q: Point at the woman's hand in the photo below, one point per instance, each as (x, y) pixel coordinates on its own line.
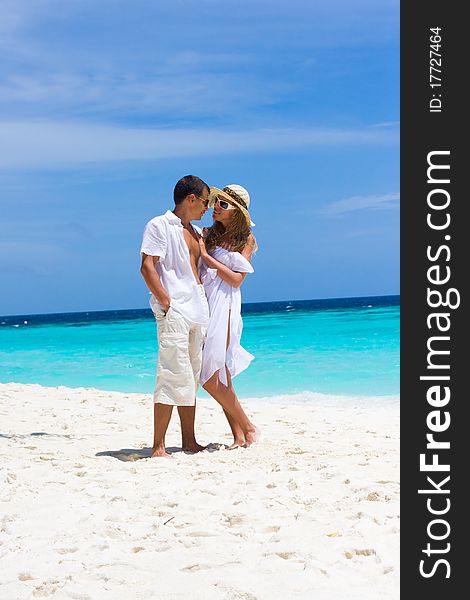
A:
(202, 248)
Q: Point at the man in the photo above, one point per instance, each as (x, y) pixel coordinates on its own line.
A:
(170, 253)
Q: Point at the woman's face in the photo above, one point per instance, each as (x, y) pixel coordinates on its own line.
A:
(223, 215)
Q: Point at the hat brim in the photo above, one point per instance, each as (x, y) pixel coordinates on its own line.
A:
(215, 192)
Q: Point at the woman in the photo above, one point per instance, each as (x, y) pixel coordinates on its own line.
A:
(226, 251)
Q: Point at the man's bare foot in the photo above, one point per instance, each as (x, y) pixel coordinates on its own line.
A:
(160, 453)
(252, 437)
(193, 447)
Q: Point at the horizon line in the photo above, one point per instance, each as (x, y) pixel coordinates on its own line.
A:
(81, 312)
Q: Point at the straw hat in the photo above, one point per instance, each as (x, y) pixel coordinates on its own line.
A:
(235, 194)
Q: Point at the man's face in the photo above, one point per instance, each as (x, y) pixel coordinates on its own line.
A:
(199, 205)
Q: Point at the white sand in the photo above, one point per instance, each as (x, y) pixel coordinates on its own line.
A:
(310, 512)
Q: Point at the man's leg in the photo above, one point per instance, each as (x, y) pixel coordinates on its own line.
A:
(175, 380)
(187, 416)
(161, 420)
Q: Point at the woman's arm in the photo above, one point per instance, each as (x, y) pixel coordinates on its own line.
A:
(231, 277)
(249, 248)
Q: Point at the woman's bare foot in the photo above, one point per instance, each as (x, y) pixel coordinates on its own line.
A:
(237, 443)
(252, 437)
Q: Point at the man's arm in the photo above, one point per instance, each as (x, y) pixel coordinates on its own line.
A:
(150, 275)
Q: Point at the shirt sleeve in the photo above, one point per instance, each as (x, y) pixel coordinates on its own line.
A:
(154, 240)
(240, 264)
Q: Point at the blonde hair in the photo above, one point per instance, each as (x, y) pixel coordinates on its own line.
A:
(234, 237)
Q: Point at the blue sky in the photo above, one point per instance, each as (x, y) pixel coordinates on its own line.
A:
(105, 105)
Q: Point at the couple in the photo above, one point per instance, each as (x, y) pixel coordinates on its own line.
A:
(194, 277)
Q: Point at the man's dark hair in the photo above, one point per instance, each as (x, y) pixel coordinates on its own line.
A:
(189, 184)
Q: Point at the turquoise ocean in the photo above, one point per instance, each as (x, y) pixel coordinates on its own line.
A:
(344, 346)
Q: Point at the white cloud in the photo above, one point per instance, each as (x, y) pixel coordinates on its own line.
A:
(47, 144)
(387, 124)
(68, 59)
(372, 202)
(180, 94)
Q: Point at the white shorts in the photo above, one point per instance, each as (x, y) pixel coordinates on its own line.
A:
(179, 359)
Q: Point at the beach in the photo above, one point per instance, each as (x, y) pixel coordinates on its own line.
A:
(311, 511)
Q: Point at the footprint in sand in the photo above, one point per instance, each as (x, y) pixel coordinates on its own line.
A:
(66, 550)
(286, 555)
(201, 534)
(5, 527)
(233, 520)
(77, 595)
(129, 457)
(272, 529)
(193, 568)
(364, 552)
(235, 593)
(10, 478)
(209, 492)
(182, 525)
(46, 589)
(292, 558)
(190, 543)
(372, 497)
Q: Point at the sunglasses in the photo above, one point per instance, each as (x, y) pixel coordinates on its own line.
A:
(205, 201)
(224, 204)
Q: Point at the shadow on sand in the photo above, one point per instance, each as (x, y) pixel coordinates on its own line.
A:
(133, 454)
(25, 436)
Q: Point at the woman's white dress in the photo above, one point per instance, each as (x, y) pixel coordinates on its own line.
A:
(224, 307)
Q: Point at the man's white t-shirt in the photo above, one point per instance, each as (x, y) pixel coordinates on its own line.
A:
(163, 237)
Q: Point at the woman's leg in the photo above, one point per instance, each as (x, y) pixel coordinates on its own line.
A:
(238, 434)
(237, 431)
(252, 437)
(226, 397)
(244, 432)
